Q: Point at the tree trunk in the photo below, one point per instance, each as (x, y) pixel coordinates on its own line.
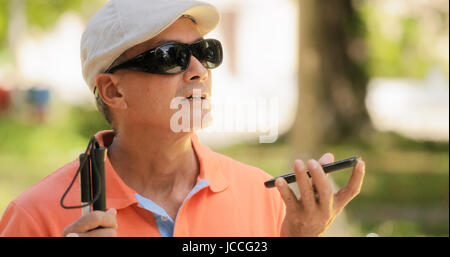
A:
(332, 79)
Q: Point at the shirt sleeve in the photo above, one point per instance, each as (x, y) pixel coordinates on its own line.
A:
(17, 222)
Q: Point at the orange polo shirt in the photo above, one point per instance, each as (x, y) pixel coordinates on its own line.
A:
(233, 201)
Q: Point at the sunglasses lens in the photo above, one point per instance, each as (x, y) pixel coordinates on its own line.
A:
(208, 52)
(169, 59)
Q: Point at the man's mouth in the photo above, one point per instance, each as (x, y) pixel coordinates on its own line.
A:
(192, 97)
(197, 95)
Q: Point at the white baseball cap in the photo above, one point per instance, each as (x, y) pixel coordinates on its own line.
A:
(122, 24)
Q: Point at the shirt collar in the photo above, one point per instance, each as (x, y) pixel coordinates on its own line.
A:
(120, 195)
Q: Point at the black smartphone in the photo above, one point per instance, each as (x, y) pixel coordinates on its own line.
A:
(327, 168)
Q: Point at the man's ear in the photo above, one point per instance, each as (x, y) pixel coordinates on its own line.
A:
(109, 90)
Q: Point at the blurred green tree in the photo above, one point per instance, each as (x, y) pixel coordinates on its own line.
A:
(406, 42)
(17, 15)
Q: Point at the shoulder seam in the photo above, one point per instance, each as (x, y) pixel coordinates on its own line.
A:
(18, 206)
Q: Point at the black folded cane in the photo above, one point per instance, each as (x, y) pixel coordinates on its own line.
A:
(92, 179)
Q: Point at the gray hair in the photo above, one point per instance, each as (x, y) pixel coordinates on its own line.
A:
(102, 107)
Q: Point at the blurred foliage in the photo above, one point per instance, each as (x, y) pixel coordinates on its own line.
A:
(4, 17)
(405, 43)
(73, 125)
(30, 151)
(87, 121)
(43, 14)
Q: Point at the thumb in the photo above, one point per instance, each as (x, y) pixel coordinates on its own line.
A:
(112, 211)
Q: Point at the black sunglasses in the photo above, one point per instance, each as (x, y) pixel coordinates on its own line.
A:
(173, 58)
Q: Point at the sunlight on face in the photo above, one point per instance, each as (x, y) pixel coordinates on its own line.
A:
(149, 96)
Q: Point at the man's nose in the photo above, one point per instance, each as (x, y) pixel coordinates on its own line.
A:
(196, 71)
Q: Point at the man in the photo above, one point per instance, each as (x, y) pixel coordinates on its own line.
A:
(138, 56)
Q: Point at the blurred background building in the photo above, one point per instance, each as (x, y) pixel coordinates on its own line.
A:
(358, 77)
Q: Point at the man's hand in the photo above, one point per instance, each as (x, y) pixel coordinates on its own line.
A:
(312, 214)
(87, 225)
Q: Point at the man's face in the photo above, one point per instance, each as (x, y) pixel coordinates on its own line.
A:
(148, 96)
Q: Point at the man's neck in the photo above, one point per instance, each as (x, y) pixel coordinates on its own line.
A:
(155, 163)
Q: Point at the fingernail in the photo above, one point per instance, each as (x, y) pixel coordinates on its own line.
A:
(279, 182)
(112, 211)
(328, 157)
(313, 164)
(73, 235)
(299, 164)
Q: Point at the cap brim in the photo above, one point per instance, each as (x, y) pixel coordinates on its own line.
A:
(206, 16)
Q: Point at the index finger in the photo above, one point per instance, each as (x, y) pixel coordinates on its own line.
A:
(287, 195)
(91, 221)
